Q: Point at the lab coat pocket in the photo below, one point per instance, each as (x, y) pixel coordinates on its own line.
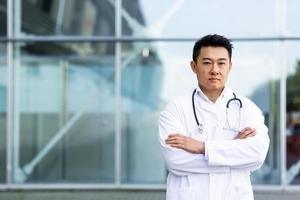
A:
(182, 189)
(241, 187)
(228, 133)
(244, 191)
(187, 193)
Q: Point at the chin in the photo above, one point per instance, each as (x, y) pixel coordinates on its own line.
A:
(216, 87)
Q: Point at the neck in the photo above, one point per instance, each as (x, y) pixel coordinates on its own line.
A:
(212, 95)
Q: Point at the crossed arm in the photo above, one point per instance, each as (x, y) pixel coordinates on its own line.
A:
(191, 145)
(185, 155)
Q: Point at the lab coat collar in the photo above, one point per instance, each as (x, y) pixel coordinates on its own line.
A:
(224, 93)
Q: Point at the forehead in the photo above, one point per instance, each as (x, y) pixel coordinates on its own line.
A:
(214, 53)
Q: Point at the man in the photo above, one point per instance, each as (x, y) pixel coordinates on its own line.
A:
(210, 138)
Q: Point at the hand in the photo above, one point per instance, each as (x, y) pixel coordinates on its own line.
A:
(186, 143)
(246, 133)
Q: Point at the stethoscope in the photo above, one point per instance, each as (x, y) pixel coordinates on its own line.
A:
(232, 128)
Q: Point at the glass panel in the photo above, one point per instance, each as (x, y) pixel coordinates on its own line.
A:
(293, 114)
(68, 17)
(3, 111)
(195, 18)
(3, 19)
(146, 87)
(292, 17)
(256, 74)
(65, 111)
(153, 73)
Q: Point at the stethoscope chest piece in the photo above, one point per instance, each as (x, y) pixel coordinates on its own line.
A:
(200, 128)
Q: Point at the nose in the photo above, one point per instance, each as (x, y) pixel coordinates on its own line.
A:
(215, 69)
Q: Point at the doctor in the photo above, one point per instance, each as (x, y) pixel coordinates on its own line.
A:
(212, 139)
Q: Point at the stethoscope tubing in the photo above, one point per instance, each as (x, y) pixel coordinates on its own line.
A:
(227, 105)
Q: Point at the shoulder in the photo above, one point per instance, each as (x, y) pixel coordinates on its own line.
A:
(252, 115)
(179, 102)
(248, 105)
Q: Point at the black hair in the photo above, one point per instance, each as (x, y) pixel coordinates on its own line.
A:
(212, 41)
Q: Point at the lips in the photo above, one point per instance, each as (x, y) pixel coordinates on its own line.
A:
(213, 79)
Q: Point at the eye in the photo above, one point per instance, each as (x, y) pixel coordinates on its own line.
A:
(222, 63)
(206, 63)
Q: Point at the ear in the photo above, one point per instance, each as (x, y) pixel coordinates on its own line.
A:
(193, 66)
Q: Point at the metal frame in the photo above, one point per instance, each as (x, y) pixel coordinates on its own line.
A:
(10, 94)
(123, 39)
(118, 39)
(282, 62)
(118, 125)
(94, 186)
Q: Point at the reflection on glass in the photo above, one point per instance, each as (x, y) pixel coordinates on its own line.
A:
(3, 110)
(293, 125)
(3, 19)
(292, 17)
(64, 17)
(263, 89)
(157, 18)
(142, 75)
(64, 118)
(151, 74)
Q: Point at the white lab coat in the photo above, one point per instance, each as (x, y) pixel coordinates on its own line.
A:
(223, 173)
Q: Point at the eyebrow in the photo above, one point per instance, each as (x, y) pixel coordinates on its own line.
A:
(218, 59)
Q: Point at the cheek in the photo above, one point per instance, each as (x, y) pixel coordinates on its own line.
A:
(201, 76)
(202, 73)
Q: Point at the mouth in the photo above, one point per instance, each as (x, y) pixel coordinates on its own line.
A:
(214, 79)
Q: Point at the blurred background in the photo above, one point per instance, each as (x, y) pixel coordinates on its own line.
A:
(82, 83)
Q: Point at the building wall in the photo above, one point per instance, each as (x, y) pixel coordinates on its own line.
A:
(82, 84)
(123, 195)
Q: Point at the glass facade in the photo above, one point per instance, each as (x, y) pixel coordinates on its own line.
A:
(3, 111)
(293, 18)
(64, 112)
(262, 88)
(3, 18)
(67, 17)
(293, 114)
(89, 79)
(162, 18)
(141, 71)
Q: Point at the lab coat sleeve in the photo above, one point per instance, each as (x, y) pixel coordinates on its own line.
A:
(178, 161)
(248, 154)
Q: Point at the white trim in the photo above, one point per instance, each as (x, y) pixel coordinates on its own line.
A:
(10, 94)
(118, 130)
(282, 64)
(58, 186)
(94, 186)
(281, 14)
(74, 38)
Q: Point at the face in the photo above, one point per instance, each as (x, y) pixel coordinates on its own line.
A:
(212, 68)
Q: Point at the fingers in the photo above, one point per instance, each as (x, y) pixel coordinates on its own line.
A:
(245, 129)
(185, 143)
(175, 139)
(180, 146)
(174, 135)
(246, 133)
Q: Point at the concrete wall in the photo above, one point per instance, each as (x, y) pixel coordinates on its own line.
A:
(121, 195)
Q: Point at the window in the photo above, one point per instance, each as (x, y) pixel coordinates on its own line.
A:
(64, 101)
(3, 111)
(76, 17)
